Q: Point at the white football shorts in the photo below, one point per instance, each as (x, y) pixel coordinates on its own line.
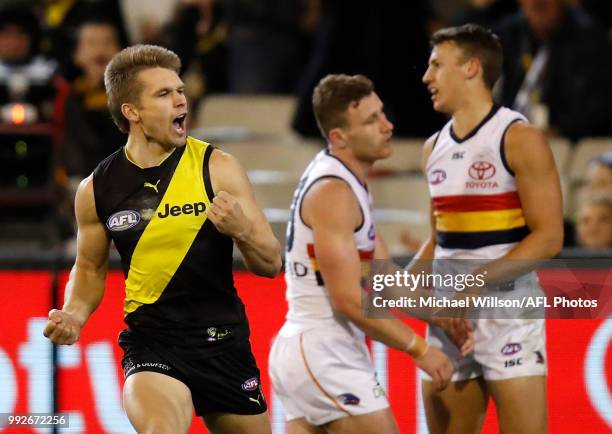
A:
(503, 349)
(323, 374)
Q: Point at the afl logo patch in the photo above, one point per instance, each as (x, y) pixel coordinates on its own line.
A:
(437, 176)
(511, 348)
(250, 385)
(122, 220)
(371, 233)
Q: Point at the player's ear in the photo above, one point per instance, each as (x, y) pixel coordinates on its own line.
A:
(337, 137)
(472, 67)
(130, 112)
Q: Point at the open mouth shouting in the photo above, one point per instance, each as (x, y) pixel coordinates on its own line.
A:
(179, 123)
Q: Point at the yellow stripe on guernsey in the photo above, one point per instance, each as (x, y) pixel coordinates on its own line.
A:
(165, 241)
(479, 221)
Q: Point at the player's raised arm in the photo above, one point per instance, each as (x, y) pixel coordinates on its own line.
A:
(85, 287)
(235, 213)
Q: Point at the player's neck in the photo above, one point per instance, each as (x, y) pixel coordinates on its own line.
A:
(470, 114)
(360, 169)
(145, 152)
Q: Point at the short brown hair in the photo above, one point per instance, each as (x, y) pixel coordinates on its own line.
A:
(475, 41)
(332, 97)
(120, 76)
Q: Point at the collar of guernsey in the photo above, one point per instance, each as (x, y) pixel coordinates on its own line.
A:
(165, 242)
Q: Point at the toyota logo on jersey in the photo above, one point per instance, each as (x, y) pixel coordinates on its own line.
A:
(481, 170)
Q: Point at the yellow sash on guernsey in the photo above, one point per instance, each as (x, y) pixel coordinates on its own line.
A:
(476, 221)
(165, 241)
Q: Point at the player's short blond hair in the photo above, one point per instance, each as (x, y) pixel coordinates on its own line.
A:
(120, 76)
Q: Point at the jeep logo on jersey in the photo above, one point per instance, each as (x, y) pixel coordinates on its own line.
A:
(511, 348)
(122, 220)
(437, 176)
(196, 208)
(250, 384)
(481, 170)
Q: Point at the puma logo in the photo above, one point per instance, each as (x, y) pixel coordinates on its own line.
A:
(256, 400)
(153, 186)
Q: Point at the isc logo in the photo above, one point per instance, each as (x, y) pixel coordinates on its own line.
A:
(189, 208)
(122, 220)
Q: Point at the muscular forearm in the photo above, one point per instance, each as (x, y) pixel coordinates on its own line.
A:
(421, 263)
(261, 253)
(426, 253)
(84, 292)
(389, 331)
(524, 257)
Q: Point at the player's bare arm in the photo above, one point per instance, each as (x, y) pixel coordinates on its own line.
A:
(530, 158)
(422, 259)
(235, 213)
(426, 252)
(381, 251)
(458, 330)
(331, 210)
(85, 287)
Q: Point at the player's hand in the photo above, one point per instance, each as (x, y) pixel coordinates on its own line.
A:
(226, 214)
(439, 367)
(62, 328)
(459, 331)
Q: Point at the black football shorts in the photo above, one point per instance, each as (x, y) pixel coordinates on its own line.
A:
(225, 382)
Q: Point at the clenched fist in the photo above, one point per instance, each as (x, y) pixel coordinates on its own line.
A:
(62, 328)
(459, 331)
(438, 366)
(226, 214)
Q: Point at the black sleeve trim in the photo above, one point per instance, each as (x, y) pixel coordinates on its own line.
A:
(98, 206)
(301, 199)
(436, 140)
(502, 146)
(206, 173)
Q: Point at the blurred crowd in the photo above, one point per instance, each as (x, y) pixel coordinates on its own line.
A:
(557, 68)
(594, 215)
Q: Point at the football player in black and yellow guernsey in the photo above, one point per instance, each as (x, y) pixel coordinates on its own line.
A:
(173, 206)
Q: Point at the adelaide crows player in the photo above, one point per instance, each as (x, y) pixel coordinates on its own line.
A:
(496, 198)
(320, 366)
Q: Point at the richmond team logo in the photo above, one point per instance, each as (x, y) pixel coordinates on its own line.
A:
(437, 176)
(122, 220)
(481, 170)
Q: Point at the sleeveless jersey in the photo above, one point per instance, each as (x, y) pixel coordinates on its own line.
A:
(476, 206)
(307, 297)
(177, 266)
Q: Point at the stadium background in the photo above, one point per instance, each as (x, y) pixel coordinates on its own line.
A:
(263, 120)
